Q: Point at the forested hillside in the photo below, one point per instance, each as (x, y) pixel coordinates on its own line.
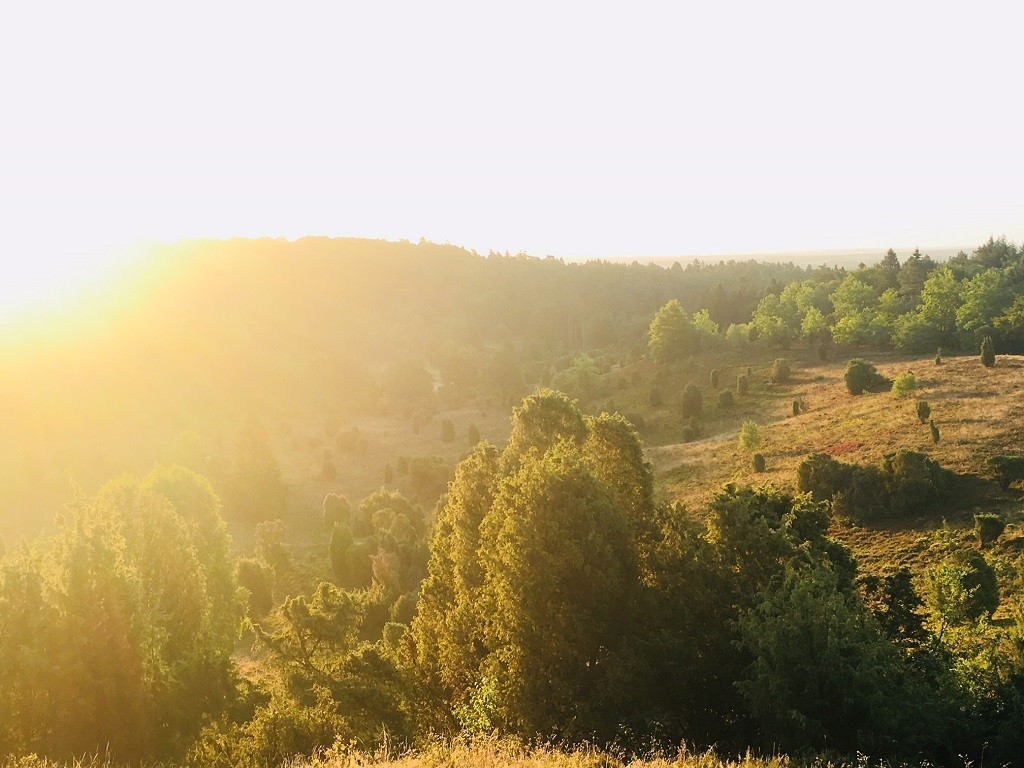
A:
(407, 497)
(206, 335)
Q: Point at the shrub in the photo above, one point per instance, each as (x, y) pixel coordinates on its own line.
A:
(823, 352)
(935, 431)
(447, 431)
(988, 352)
(341, 542)
(692, 401)
(780, 372)
(428, 476)
(257, 579)
(742, 384)
(796, 407)
(336, 509)
(903, 482)
(988, 527)
(938, 356)
(904, 384)
(923, 411)
(822, 476)
(714, 379)
(861, 376)
(913, 480)
(689, 434)
(726, 399)
(473, 435)
(759, 462)
(750, 435)
(1007, 469)
(655, 397)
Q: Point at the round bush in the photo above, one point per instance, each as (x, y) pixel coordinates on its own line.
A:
(904, 384)
(861, 376)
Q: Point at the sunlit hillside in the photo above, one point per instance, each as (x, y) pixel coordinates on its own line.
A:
(169, 362)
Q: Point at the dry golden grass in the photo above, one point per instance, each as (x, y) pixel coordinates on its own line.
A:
(979, 412)
(494, 754)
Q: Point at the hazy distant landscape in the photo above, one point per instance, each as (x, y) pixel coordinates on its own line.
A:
(547, 385)
(339, 500)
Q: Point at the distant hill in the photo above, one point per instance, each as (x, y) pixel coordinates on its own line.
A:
(204, 334)
(845, 258)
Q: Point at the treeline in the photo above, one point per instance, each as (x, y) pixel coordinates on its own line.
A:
(560, 599)
(916, 305)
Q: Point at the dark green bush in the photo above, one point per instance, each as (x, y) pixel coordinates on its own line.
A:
(988, 352)
(1007, 469)
(258, 580)
(923, 411)
(336, 509)
(822, 476)
(913, 480)
(759, 462)
(902, 483)
(726, 399)
(692, 401)
(861, 376)
(988, 527)
(796, 407)
(742, 384)
(780, 372)
(655, 397)
(935, 431)
(473, 435)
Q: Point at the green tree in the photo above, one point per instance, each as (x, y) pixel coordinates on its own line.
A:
(822, 673)
(988, 353)
(986, 296)
(750, 435)
(672, 334)
(585, 375)
(134, 616)
(962, 587)
(255, 490)
(856, 305)
(940, 302)
(448, 630)
(542, 420)
(559, 571)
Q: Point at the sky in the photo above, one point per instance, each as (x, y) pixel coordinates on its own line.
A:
(636, 129)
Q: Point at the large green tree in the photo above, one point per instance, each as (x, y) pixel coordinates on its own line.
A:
(672, 334)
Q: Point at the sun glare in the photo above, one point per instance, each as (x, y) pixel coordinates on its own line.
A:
(42, 284)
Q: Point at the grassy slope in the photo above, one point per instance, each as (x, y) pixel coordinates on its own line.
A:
(979, 411)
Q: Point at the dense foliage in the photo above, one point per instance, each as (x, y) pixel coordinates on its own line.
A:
(903, 482)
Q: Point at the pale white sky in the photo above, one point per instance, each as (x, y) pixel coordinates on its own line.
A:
(574, 129)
